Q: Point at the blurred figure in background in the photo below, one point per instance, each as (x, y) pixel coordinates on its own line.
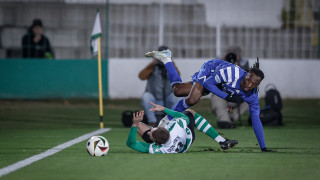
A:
(35, 44)
(158, 89)
(228, 112)
(236, 58)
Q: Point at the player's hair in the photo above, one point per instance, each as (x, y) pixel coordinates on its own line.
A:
(255, 69)
(161, 135)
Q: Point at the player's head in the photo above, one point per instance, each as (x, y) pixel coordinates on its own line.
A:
(256, 70)
(253, 78)
(37, 27)
(250, 81)
(160, 135)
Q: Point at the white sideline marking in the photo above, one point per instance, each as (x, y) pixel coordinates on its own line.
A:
(32, 159)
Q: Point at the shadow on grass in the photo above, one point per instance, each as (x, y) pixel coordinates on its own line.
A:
(282, 150)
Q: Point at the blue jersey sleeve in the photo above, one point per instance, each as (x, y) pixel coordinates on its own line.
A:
(212, 82)
(254, 110)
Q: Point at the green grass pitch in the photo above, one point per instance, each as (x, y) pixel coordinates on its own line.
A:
(28, 128)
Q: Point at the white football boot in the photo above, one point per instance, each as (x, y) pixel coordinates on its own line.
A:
(164, 56)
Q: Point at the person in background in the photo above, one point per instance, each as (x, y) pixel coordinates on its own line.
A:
(158, 89)
(228, 112)
(35, 44)
(236, 58)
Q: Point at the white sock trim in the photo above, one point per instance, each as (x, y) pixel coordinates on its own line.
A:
(206, 128)
(166, 60)
(219, 139)
(197, 119)
(200, 125)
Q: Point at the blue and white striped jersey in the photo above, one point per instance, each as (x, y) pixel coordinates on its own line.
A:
(218, 72)
(222, 78)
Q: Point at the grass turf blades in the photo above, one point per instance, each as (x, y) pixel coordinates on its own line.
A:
(30, 127)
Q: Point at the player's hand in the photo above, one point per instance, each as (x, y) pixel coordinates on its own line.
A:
(156, 107)
(267, 150)
(137, 118)
(234, 98)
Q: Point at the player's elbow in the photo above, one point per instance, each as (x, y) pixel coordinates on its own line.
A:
(129, 144)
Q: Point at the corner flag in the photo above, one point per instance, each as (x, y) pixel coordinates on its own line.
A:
(96, 50)
(96, 32)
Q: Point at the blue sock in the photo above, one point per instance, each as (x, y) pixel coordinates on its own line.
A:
(180, 106)
(173, 74)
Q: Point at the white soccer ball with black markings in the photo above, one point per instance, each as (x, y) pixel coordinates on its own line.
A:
(97, 146)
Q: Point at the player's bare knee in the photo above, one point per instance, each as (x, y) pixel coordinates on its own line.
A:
(177, 90)
(192, 101)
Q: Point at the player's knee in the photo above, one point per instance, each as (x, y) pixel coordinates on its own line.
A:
(177, 90)
(192, 100)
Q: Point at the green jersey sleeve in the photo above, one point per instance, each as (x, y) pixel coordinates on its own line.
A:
(136, 145)
(176, 114)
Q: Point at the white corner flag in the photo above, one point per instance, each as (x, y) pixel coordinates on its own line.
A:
(96, 50)
(96, 32)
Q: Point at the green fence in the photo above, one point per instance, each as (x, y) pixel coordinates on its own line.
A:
(43, 79)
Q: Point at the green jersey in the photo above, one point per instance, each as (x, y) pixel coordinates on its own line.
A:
(179, 141)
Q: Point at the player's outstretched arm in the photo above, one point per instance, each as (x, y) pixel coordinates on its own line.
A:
(157, 107)
(254, 110)
(131, 141)
(137, 118)
(170, 112)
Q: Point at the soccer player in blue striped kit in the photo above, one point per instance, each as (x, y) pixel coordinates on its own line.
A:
(226, 80)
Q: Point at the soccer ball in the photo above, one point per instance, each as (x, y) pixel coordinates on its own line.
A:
(97, 146)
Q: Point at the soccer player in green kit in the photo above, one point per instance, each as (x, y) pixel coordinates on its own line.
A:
(176, 136)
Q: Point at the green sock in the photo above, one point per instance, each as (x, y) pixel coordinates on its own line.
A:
(204, 126)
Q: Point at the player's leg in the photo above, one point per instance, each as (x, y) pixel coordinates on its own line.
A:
(182, 89)
(194, 96)
(165, 57)
(179, 89)
(204, 126)
(192, 99)
(190, 113)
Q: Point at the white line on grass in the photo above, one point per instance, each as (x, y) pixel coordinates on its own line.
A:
(30, 160)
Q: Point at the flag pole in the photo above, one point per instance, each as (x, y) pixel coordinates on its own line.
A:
(100, 83)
